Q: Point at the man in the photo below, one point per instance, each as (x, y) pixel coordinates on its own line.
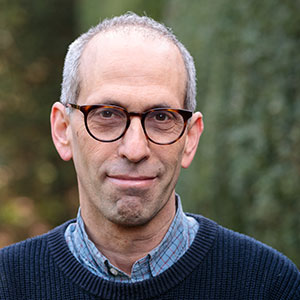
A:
(126, 120)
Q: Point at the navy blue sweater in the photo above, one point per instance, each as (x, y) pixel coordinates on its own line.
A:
(220, 264)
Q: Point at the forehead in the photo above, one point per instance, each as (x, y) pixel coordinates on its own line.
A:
(133, 59)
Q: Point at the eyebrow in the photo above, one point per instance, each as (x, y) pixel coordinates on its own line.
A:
(119, 104)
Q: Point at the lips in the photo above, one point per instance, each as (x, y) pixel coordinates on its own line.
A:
(130, 177)
(128, 181)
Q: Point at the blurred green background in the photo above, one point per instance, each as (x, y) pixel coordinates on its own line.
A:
(246, 175)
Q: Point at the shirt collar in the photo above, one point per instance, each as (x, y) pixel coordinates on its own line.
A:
(174, 244)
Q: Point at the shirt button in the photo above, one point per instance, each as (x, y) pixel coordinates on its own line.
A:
(113, 271)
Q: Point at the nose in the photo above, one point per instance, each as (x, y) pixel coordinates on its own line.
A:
(134, 145)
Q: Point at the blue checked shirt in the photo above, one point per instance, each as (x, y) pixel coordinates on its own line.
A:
(175, 243)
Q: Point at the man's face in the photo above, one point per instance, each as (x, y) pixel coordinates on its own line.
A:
(131, 180)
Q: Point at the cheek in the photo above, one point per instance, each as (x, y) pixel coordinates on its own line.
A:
(83, 144)
(172, 157)
(84, 150)
(92, 156)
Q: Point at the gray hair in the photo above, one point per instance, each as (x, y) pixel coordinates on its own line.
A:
(71, 78)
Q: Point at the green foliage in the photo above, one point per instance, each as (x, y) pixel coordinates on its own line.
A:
(91, 12)
(34, 185)
(246, 173)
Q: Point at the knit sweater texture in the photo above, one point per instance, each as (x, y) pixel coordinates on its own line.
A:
(220, 264)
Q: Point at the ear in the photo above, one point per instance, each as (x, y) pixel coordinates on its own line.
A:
(194, 132)
(59, 129)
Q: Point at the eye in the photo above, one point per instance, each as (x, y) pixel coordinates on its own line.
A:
(162, 116)
(106, 113)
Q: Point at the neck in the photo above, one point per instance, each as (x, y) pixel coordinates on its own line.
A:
(123, 245)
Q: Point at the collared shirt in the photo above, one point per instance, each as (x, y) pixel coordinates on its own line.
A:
(176, 242)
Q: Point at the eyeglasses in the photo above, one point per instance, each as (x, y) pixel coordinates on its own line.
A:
(108, 123)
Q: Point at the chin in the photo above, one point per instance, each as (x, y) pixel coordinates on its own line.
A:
(131, 220)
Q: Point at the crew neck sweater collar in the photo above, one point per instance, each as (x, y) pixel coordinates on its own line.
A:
(175, 243)
(148, 288)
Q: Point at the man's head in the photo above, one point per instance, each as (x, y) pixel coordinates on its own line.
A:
(130, 181)
(129, 21)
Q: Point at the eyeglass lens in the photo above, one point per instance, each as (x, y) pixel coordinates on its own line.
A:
(161, 126)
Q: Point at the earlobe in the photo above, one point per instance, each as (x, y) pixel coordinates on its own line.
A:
(59, 130)
(194, 132)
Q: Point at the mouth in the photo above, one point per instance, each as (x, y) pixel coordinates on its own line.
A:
(129, 181)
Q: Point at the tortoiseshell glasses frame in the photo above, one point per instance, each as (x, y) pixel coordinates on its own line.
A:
(108, 123)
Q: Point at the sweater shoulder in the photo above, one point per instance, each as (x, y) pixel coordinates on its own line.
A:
(21, 247)
(249, 260)
(245, 243)
(235, 241)
(269, 266)
(29, 248)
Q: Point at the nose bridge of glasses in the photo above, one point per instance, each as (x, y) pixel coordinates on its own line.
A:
(135, 114)
(139, 124)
